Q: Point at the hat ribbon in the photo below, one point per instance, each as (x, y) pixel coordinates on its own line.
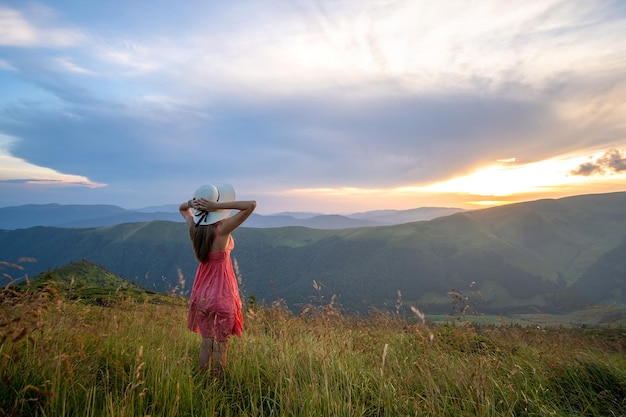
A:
(203, 215)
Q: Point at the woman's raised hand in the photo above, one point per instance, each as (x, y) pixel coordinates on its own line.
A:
(204, 204)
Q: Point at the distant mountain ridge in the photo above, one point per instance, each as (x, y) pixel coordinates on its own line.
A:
(540, 256)
(57, 215)
(74, 215)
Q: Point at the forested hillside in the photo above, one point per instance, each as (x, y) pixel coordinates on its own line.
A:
(548, 255)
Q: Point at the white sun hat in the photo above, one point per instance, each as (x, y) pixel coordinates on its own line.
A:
(218, 193)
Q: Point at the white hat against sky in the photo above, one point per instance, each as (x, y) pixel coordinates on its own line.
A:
(217, 193)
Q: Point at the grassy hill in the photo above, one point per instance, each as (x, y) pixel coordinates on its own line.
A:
(91, 284)
(543, 256)
(83, 273)
(63, 358)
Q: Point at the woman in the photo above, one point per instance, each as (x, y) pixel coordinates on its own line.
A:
(214, 305)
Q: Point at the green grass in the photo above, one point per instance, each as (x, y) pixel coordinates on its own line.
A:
(62, 357)
(88, 283)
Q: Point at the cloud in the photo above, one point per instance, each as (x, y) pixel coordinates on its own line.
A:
(36, 29)
(327, 137)
(612, 162)
(15, 170)
(357, 43)
(66, 65)
(364, 94)
(5, 65)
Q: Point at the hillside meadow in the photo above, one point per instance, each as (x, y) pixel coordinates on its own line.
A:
(133, 356)
(551, 256)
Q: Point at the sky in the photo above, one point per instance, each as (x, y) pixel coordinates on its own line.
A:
(337, 106)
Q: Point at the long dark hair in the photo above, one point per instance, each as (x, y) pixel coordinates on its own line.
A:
(202, 238)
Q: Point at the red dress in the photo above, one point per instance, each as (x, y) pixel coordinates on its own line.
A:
(214, 305)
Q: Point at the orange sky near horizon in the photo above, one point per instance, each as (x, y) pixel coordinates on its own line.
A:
(502, 182)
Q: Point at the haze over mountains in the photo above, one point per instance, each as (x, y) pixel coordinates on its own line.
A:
(19, 217)
(545, 255)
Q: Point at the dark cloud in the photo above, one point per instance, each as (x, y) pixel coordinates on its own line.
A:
(613, 161)
(335, 139)
(326, 139)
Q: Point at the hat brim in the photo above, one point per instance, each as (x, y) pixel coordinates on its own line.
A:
(218, 193)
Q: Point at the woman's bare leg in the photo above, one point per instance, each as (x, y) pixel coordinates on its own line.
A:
(206, 348)
(219, 357)
(213, 355)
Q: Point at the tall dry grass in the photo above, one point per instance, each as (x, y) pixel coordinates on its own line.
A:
(64, 358)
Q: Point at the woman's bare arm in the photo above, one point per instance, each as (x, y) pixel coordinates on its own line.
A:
(185, 211)
(231, 223)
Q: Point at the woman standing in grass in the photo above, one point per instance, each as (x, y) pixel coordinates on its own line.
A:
(214, 305)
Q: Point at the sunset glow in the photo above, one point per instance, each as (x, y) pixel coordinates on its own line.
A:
(507, 179)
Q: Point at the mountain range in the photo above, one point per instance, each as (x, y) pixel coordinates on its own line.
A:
(19, 217)
(549, 255)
